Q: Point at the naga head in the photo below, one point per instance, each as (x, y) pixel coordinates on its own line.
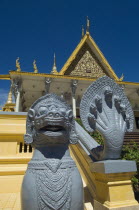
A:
(50, 122)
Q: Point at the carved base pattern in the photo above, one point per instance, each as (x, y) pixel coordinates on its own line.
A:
(54, 189)
(53, 179)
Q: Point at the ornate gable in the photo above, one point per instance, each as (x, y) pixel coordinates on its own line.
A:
(85, 65)
(87, 61)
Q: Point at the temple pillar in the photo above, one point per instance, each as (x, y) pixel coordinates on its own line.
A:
(16, 88)
(74, 106)
(17, 104)
(73, 89)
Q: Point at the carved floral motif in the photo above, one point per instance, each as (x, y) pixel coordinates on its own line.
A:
(87, 66)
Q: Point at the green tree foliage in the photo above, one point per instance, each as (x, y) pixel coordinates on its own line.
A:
(132, 153)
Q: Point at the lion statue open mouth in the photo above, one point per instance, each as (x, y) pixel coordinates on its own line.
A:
(49, 118)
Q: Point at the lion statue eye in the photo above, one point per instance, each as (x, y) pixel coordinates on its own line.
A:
(42, 110)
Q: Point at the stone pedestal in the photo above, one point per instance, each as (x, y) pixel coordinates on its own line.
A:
(113, 185)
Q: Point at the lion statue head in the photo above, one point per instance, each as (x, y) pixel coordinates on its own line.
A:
(50, 122)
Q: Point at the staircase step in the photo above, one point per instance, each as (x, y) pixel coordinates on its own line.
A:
(131, 138)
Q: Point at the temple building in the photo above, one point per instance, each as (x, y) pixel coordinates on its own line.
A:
(84, 66)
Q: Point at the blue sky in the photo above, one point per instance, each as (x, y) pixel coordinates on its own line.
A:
(32, 29)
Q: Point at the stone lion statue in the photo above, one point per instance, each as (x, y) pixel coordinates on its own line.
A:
(52, 180)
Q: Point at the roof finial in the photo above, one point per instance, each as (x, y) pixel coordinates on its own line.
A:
(54, 60)
(87, 26)
(54, 69)
(18, 68)
(35, 67)
(121, 78)
(82, 31)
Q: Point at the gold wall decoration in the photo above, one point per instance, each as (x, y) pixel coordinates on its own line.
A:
(87, 66)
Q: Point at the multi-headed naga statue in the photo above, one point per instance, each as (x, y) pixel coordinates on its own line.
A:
(52, 181)
(104, 107)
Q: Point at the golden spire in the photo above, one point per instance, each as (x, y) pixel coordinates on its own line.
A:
(18, 65)
(87, 26)
(82, 31)
(54, 69)
(9, 100)
(35, 67)
(9, 106)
